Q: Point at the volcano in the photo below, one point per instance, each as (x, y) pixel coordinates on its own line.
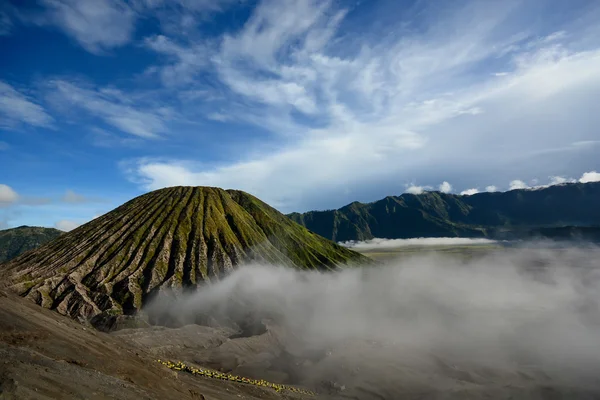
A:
(173, 239)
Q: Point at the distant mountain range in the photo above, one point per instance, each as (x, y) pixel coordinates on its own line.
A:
(170, 239)
(16, 241)
(514, 214)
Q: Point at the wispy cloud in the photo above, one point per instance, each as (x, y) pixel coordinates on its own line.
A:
(17, 108)
(491, 188)
(350, 108)
(183, 17)
(186, 62)
(98, 25)
(110, 105)
(102, 138)
(101, 25)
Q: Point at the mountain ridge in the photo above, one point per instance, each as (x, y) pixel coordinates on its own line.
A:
(489, 214)
(19, 240)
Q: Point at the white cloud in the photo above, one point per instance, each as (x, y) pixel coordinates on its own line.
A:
(97, 25)
(351, 108)
(591, 176)
(469, 192)
(377, 243)
(111, 105)
(415, 189)
(517, 184)
(66, 225)
(491, 188)
(7, 195)
(445, 187)
(17, 108)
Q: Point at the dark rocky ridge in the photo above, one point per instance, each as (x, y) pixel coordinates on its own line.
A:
(500, 215)
(16, 241)
(176, 238)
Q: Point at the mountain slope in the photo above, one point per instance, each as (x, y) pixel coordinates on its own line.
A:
(16, 241)
(175, 238)
(438, 214)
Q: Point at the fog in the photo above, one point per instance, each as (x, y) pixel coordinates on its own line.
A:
(522, 316)
(378, 243)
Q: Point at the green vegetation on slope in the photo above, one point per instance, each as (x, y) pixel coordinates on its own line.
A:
(175, 238)
(16, 241)
(434, 214)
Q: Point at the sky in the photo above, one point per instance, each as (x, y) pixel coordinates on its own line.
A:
(307, 104)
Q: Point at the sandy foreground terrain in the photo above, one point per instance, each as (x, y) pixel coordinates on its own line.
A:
(44, 355)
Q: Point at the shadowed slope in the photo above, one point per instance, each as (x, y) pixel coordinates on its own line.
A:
(434, 214)
(16, 241)
(171, 238)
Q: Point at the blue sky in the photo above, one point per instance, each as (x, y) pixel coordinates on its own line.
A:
(306, 104)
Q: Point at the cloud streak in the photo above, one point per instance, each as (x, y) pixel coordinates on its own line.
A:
(16, 108)
(98, 25)
(111, 106)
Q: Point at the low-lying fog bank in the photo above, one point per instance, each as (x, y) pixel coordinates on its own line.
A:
(518, 322)
(380, 243)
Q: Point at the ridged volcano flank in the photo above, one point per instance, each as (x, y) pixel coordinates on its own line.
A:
(178, 237)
